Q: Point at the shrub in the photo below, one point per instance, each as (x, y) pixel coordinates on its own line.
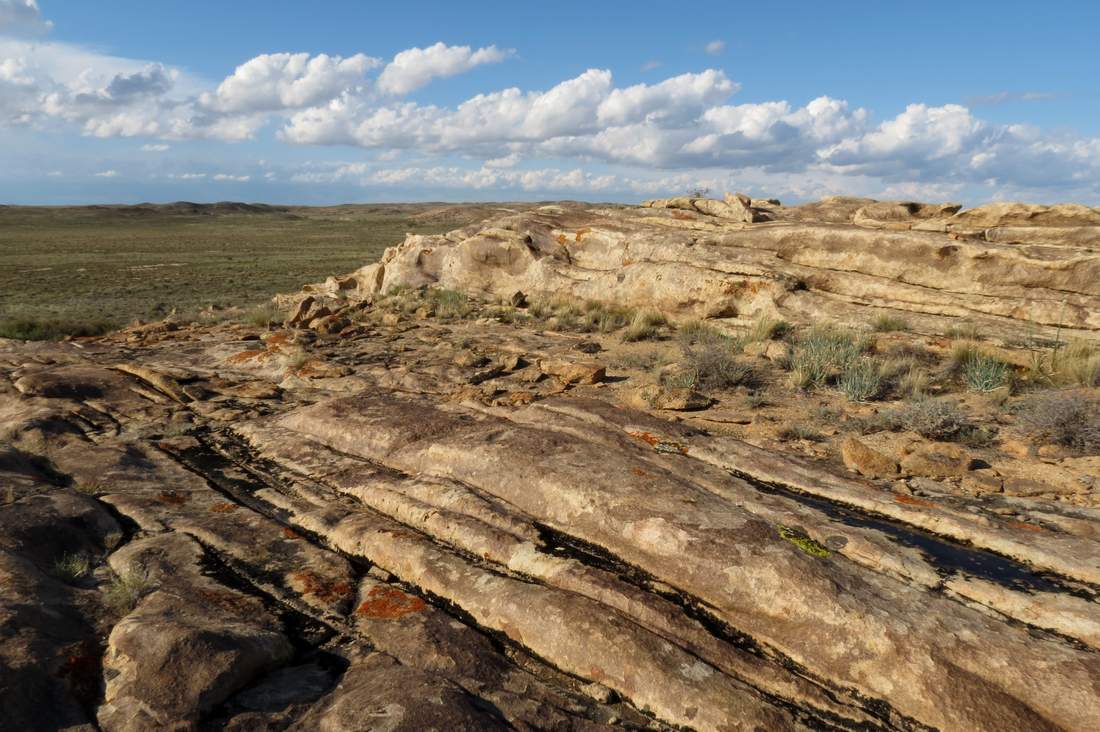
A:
(645, 325)
(861, 381)
(125, 591)
(889, 324)
(936, 419)
(71, 567)
(715, 366)
(1063, 418)
(822, 353)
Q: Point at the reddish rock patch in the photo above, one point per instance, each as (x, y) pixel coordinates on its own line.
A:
(388, 603)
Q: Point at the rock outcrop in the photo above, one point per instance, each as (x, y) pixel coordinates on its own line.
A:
(1000, 266)
(417, 514)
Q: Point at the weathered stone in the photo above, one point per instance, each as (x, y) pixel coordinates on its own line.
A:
(573, 372)
(866, 460)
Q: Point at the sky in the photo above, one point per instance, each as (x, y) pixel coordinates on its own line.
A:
(283, 101)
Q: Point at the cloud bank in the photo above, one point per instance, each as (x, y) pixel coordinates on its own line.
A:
(585, 134)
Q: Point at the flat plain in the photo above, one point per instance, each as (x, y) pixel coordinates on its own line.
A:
(87, 269)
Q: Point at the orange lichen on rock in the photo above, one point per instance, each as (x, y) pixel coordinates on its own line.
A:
(1026, 526)
(311, 584)
(223, 507)
(913, 501)
(289, 533)
(659, 444)
(245, 356)
(172, 498)
(389, 603)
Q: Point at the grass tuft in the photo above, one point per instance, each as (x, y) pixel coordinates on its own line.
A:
(646, 325)
(889, 324)
(71, 567)
(862, 380)
(125, 591)
(822, 354)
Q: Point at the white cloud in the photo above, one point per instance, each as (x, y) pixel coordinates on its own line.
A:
(187, 176)
(416, 67)
(225, 177)
(651, 65)
(156, 148)
(107, 174)
(22, 17)
(280, 81)
(714, 48)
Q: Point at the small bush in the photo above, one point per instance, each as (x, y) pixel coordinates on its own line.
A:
(861, 381)
(912, 383)
(51, 329)
(889, 324)
(645, 325)
(72, 567)
(935, 419)
(1062, 418)
(715, 366)
(92, 488)
(821, 354)
(125, 591)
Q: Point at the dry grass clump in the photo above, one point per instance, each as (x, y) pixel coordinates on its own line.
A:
(71, 567)
(590, 316)
(449, 304)
(765, 328)
(964, 332)
(795, 432)
(822, 354)
(1078, 364)
(124, 591)
(889, 324)
(1063, 418)
(645, 325)
(263, 315)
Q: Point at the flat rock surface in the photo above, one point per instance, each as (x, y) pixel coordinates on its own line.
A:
(429, 521)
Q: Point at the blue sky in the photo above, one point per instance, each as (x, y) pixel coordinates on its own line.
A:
(354, 101)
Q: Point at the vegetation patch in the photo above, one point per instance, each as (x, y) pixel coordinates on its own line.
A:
(1063, 418)
(803, 542)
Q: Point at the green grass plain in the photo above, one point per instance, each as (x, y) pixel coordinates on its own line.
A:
(86, 269)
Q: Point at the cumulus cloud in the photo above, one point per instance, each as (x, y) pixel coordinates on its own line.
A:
(416, 67)
(714, 48)
(22, 17)
(225, 177)
(288, 81)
